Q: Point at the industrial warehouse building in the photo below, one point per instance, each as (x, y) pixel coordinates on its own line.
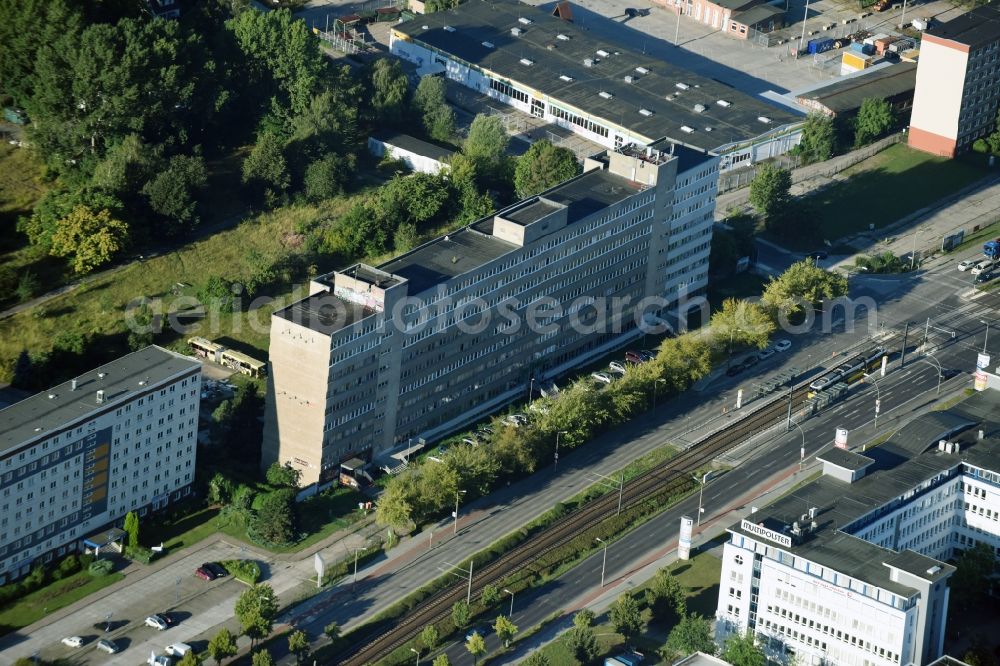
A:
(378, 356)
(958, 83)
(843, 97)
(76, 458)
(849, 569)
(604, 91)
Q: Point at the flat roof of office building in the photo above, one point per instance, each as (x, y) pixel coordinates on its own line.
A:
(845, 95)
(49, 411)
(324, 312)
(844, 458)
(979, 26)
(549, 55)
(896, 470)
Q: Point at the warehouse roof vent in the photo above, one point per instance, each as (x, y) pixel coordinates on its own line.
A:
(489, 45)
(524, 20)
(642, 70)
(562, 37)
(449, 28)
(645, 112)
(724, 103)
(564, 77)
(681, 85)
(629, 78)
(605, 94)
(699, 108)
(526, 62)
(764, 119)
(688, 130)
(602, 53)
(516, 32)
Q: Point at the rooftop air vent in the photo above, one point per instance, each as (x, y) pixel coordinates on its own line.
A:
(526, 62)
(708, 129)
(489, 45)
(52, 396)
(724, 103)
(605, 94)
(425, 27)
(629, 79)
(699, 108)
(449, 28)
(72, 385)
(602, 53)
(524, 21)
(515, 31)
(645, 112)
(681, 85)
(686, 129)
(562, 37)
(563, 77)
(763, 119)
(642, 70)
(100, 397)
(588, 62)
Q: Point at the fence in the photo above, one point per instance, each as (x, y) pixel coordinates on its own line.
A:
(734, 180)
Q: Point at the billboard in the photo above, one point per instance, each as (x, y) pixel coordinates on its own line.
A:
(684, 541)
(982, 362)
(840, 441)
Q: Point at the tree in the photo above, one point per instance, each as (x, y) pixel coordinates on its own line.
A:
(970, 582)
(189, 659)
(429, 102)
(743, 650)
(298, 644)
(222, 646)
(626, 617)
(266, 165)
(275, 519)
(394, 508)
(461, 614)
(543, 166)
(979, 654)
(802, 283)
(769, 189)
(692, 634)
(326, 177)
(818, 137)
(406, 237)
(441, 660)
(256, 609)
(666, 596)
(742, 322)
(388, 87)
(27, 287)
(29, 27)
(56, 205)
(490, 596)
(536, 659)
(173, 192)
(127, 165)
(283, 476)
(332, 631)
(724, 254)
(141, 328)
(486, 145)
(505, 629)
(583, 618)
(90, 238)
(429, 637)
(220, 489)
(582, 642)
(262, 658)
(476, 646)
(875, 118)
(131, 527)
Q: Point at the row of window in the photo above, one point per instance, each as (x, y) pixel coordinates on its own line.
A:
(840, 635)
(581, 122)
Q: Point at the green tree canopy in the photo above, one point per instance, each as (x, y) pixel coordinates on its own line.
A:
(486, 146)
(274, 521)
(266, 166)
(461, 614)
(91, 239)
(283, 476)
(581, 641)
(536, 659)
(970, 582)
(691, 634)
(222, 646)
(505, 629)
(256, 609)
(441, 660)
(394, 507)
(802, 283)
(769, 189)
(742, 322)
(262, 658)
(431, 107)
(131, 527)
(743, 650)
(543, 166)
(875, 118)
(476, 645)
(327, 176)
(173, 192)
(387, 88)
(626, 617)
(665, 596)
(819, 137)
(298, 644)
(430, 637)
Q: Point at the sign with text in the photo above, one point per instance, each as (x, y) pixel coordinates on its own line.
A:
(840, 441)
(764, 533)
(684, 542)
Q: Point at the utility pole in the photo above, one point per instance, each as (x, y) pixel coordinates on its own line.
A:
(987, 337)
(902, 351)
(788, 425)
(902, 17)
(927, 331)
(604, 563)
(802, 39)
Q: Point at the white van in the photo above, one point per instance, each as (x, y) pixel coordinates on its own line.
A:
(177, 649)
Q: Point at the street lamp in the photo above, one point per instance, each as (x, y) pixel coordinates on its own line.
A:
(935, 364)
(987, 337)
(357, 551)
(656, 384)
(802, 449)
(458, 493)
(416, 652)
(701, 490)
(805, 15)
(604, 563)
(878, 398)
(555, 464)
(511, 602)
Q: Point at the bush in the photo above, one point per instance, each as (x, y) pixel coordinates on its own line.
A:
(980, 146)
(140, 554)
(247, 571)
(100, 568)
(69, 566)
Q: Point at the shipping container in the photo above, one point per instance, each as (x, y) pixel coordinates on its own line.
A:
(919, 23)
(820, 45)
(855, 62)
(910, 56)
(882, 45)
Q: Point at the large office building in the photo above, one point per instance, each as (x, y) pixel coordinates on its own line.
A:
(442, 335)
(76, 458)
(958, 83)
(607, 92)
(850, 569)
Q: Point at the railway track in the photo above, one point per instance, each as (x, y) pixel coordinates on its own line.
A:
(385, 637)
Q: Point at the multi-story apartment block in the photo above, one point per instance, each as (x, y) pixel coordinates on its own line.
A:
(849, 569)
(463, 324)
(78, 457)
(958, 83)
(608, 92)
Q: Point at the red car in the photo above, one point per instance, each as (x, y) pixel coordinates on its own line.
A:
(210, 571)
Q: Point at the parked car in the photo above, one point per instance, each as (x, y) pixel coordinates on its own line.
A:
(986, 276)
(734, 369)
(516, 420)
(203, 573)
(782, 345)
(765, 354)
(948, 373)
(538, 408)
(72, 641)
(177, 649)
(602, 377)
(647, 354)
(481, 629)
(157, 622)
(217, 569)
(984, 266)
(634, 357)
(616, 367)
(750, 360)
(161, 660)
(967, 264)
(108, 645)
(470, 441)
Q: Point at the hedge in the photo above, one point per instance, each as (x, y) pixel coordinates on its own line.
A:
(247, 571)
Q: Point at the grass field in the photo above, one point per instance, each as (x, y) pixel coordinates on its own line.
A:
(52, 597)
(886, 187)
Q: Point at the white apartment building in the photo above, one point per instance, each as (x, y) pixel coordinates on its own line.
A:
(377, 357)
(78, 457)
(850, 569)
(608, 92)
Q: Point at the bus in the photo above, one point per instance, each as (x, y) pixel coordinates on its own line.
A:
(206, 349)
(244, 364)
(850, 371)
